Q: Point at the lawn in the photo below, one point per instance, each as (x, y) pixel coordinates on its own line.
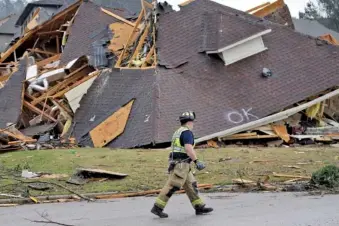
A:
(146, 169)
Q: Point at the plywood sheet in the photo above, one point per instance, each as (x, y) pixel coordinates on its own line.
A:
(112, 127)
(121, 33)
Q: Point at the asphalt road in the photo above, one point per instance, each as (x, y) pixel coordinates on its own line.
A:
(271, 209)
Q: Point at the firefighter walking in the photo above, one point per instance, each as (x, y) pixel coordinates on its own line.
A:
(180, 174)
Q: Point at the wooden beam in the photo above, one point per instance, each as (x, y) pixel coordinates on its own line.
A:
(42, 52)
(270, 8)
(57, 44)
(250, 137)
(38, 111)
(147, 4)
(148, 57)
(258, 7)
(186, 2)
(62, 92)
(50, 33)
(140, 44)
(59, 86)
(117, 17)
(48, 60)
(129, 40)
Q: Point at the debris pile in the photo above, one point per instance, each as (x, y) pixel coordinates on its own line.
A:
(101, 75)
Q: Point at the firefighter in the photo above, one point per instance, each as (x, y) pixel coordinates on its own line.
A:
(180, 174)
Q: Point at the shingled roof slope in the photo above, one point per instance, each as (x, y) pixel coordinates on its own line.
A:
(109, 92)
(89, 25)
(11, 97)
(222, 96)
(217, 31)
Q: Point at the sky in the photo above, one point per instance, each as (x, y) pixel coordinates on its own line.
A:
(294, 5)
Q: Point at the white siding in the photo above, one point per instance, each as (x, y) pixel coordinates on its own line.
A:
(244, 50)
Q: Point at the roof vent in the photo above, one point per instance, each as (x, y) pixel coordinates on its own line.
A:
(231, 37)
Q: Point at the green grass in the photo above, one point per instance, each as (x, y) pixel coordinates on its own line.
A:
(147, 168)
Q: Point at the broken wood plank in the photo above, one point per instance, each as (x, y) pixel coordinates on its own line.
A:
(290, 176)
(112, 127)
(250, 137)
(271, 8)
(118, 17)
(50, 33)
(38, 111)
(57, 44)
(186, 2)
(129, 40)
(48, 60)
(140, 44)
(258, 7)
(121, 33)
(147, 4)
(72, 77)
(42, 52)
(148, 57)
(61, 93)
(281, 131)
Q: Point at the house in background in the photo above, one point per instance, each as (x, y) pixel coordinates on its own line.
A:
(8, 31)
(35, 13)
(315, 29)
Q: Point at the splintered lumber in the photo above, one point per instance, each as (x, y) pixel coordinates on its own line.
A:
(117, 65)
(140, 44)
(117, 17)
(72, 77)
(144, 193)
(61, 93)
(290, 176)
(38, 111)
(186, 2)
(258, 7)
(148, 57)
(281, 131)
(112, 127)
(48, 60)
(147, 4)
(243, 181)
(269, 8)
(41, 51)
(50, 33)
(250, 137)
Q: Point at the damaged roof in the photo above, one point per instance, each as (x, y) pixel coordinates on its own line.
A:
(85, 30)
(132, 6)
(57, 4)
(9, 26)
(11, 97)
(218, 31)
(187, 79)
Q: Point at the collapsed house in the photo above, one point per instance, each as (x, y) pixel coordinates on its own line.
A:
(121, 80)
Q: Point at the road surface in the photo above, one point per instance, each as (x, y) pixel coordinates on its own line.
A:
(271, 209)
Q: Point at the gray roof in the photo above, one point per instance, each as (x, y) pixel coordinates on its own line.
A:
(186, 79)
(11, 98)
(9, 26)
(313, 28)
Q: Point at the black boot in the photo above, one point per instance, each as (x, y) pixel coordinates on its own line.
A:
(200, 210)
(158, 211)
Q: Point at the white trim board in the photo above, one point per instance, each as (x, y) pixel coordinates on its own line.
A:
(240, 42)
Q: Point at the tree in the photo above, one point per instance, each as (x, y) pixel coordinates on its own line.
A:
(325, 12)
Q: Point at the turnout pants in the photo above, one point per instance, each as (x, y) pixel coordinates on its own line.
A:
(180, 177)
